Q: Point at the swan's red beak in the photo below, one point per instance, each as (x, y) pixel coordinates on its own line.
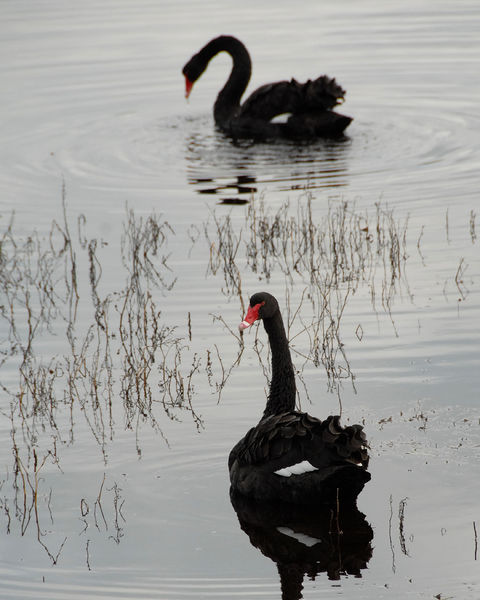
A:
(251, 316)
(188, 86)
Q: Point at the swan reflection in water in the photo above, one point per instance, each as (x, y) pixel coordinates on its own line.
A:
(219, 167)
(306, 541)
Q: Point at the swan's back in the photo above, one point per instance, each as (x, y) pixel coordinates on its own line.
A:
(309, 104)
(281, 97)
(298, 458)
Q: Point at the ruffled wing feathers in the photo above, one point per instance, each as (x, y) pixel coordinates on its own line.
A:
(279, 438)
(274, 99)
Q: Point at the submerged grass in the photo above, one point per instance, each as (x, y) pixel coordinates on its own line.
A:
(124, 350)
(115, 359)
(328, 259)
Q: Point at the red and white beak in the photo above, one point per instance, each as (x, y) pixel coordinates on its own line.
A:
(188, 86)
(251, 316)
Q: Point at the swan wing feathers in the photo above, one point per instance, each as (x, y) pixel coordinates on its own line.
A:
(280, 439)
(282, 97)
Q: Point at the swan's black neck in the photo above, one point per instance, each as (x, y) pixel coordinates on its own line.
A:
(228, 100)
(282, 387)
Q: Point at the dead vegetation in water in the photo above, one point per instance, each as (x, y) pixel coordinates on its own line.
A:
(114, 358)
(95, 515)
(401, 531)
(327, 258)
(113, 346)
(76, 348)
(40, 289)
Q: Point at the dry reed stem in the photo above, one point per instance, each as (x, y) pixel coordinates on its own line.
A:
(124, 350)
(330, 258)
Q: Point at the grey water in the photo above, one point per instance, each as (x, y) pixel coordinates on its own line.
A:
(125, 269)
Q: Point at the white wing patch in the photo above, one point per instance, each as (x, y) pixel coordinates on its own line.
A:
(283, 118)
(303, 538)
(297, 469)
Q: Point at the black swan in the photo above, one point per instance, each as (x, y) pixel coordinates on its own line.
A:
(308, 104)
(290, 456)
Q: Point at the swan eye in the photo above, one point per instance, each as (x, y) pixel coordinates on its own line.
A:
(258, 309)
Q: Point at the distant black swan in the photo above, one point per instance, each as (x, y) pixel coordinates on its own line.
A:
(308, 104)
(290, 456)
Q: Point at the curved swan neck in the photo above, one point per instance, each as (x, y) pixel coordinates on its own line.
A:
(282, 386)
(228, 99)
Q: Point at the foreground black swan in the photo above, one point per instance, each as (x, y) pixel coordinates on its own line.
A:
(308, 104)
(290, 456)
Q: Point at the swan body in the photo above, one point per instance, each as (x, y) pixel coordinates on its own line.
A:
(289, 455)
(307, 104)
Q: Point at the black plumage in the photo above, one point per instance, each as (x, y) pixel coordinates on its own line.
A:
(304, 541)
(338, 455)
(307, 104)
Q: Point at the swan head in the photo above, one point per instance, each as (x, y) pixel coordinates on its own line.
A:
(262, 306)
(192, 71)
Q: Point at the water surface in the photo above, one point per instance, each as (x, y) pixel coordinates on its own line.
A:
(127, 458)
